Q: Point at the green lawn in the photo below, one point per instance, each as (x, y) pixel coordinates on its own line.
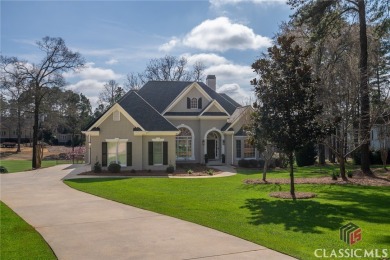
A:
(296, 228)
(24, 165)
(19, 240)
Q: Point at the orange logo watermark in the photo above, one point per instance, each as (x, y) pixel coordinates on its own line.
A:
(350, 233)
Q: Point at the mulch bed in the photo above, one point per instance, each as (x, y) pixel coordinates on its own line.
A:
(181, 170)
(357, 179)
(287, 195)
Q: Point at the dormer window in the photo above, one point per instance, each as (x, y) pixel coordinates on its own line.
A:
(194, 103)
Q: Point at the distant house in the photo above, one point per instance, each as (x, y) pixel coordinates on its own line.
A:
(8, 130)
(380, 136)
(166, 122)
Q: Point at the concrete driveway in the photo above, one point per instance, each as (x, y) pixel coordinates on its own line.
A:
(81, 226)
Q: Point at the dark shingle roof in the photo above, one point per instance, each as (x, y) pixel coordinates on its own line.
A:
(144, 113)
(160, 94)
(232, 101)
(229, 107)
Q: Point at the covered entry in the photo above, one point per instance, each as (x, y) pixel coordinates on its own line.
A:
(214, 144)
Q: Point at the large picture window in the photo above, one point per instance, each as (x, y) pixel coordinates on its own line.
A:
(249, 150)
(184, 144)
(116, 152)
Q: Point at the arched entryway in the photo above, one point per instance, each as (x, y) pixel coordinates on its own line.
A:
(214, 144)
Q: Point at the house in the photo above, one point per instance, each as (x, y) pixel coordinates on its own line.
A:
(380, 136)
(167, 122)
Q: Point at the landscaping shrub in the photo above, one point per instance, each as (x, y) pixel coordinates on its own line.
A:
(210, 171)
(306, 156)
(190, 171)
(349, 174)
(133, 171)
(3, 169)
(334, 176)
(282, 161)
(243, 163)
(375, 157)
(114, 167)
(253, 163)
(170, 169)
(97, 167)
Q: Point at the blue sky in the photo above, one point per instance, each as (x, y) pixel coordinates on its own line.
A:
(118, 37)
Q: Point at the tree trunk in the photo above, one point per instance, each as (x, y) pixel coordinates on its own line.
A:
(364, 90)
(384, 154)
(35, 134)
(265, 168)
(341, 160)
(321, 154)
(292, 187)
(19, 129)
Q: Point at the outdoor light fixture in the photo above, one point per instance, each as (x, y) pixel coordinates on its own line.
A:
(202, 142)
(223, 141)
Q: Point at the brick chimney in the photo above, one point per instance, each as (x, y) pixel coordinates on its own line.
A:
(211, 82)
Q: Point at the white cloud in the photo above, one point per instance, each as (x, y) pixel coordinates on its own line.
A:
(91, 72)
(89, 87)
(218, 3)
(166, 47)
(208, 59)
(231, 72)
(235, 91)
(112, 61)
(220, 34)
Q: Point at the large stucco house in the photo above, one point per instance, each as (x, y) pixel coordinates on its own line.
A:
(167, 122)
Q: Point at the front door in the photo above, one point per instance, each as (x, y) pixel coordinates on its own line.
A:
(211, 149)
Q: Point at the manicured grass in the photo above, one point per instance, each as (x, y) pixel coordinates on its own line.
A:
(19, 240)
(23, 165)
(296, 228)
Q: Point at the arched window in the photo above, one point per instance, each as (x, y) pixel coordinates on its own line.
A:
(194, 103)
(184, 144)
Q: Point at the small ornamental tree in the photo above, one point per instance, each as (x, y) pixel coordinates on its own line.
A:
(286, 91)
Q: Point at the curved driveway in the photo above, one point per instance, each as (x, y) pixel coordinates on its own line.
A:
(82, 226)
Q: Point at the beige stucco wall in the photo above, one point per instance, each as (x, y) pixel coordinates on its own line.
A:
(171, 152)
(214, 108)
(123, 129)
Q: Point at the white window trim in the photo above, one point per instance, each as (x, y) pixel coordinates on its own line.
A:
(117, 140)
(192, 144)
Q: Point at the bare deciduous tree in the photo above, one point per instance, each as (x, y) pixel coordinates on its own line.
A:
(57, 59)
(111, 93)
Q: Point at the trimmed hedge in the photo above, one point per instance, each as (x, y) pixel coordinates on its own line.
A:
(114, 168)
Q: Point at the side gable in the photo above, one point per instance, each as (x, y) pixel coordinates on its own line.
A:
(139, 112)
(239, 118)
(214, 108)
(94, 126)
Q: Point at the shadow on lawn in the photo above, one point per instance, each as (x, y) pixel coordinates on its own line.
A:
(299, 216)
(309, 216)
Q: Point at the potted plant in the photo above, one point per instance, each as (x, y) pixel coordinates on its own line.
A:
(206, 158)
